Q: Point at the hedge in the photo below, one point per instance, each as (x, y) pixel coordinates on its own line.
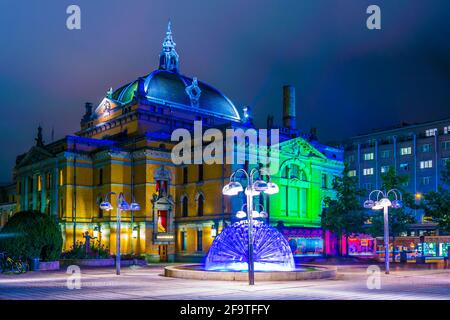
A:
(32, 234)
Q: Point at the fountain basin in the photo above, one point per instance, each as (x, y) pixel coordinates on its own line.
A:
(301, 272)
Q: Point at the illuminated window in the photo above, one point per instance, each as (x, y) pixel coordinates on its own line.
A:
(352, 173)
(61, 177)
(426, 164)
(368, 156)
(447, 130)
(430, 132)
(368, 171)
(405, 151)
(39, 183)
(384, 169)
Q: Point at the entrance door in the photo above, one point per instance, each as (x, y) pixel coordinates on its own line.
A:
(163, 253)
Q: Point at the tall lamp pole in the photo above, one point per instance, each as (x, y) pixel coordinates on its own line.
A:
(122, 205)
(382, 202)
(253, 188)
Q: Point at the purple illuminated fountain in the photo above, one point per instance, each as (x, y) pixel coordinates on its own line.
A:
(229, 250)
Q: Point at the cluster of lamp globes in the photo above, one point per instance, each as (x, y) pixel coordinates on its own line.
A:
(382, 203)
(122, 205)
(234, 187)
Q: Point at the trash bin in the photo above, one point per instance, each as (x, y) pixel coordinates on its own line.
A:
(34, 264)
(403, 257)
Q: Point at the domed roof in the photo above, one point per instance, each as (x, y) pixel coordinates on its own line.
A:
(167, 86)
(174, 88)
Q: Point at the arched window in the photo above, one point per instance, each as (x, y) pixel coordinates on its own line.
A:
(184, 206)
(303, 176)
(200, 205)
(286, 172)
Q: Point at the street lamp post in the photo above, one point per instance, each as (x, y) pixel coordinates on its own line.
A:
(122, 205)
(253, 188)
(382, 202)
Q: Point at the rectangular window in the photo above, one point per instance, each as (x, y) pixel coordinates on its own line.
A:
(199, 240)
(368, 171)
(444, 161)
(446, 145)
(384, 169)
(351, 158)
(39, 183)
(368, 156)
(352, 173)
(324, 181)
(405, 151)
(404, 166)
(385, 154)
(368, 186)
(185, 175)
(426, 164)
(430, 132)
(426, 147)
(447, 130)
(426, 180)
(183, 238)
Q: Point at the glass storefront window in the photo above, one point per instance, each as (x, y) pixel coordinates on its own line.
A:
(306, 246)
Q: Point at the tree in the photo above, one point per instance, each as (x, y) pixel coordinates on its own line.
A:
(31, 234)
(437, 204)
(399, 219)
(343, 214)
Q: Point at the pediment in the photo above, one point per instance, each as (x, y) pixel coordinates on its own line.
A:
(36, 154)
(300, 147)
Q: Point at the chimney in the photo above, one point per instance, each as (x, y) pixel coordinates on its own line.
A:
(289, 118)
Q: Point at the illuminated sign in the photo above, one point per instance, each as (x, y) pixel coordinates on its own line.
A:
(164, 237)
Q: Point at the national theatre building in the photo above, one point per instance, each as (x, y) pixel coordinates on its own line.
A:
(124, 145)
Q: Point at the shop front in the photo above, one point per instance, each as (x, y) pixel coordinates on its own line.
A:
(304, 241)
(361, 245)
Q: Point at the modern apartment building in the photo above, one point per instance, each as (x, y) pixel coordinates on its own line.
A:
(417, 150)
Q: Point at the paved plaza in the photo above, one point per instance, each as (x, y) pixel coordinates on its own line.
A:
(148, 283)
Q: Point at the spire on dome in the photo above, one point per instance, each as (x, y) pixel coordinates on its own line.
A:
(168, 58)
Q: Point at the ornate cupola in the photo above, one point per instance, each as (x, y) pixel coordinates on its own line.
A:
(168, 58)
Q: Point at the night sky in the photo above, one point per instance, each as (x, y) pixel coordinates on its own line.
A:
(349, 79)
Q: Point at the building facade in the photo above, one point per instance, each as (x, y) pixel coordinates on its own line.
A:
(124, 146)
(416, 150)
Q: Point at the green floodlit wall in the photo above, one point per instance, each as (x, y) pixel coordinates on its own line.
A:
(301, 183)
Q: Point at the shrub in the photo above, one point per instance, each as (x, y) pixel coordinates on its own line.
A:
(31, 234)
(97, 251)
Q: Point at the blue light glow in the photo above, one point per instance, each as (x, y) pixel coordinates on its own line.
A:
(228, 251)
